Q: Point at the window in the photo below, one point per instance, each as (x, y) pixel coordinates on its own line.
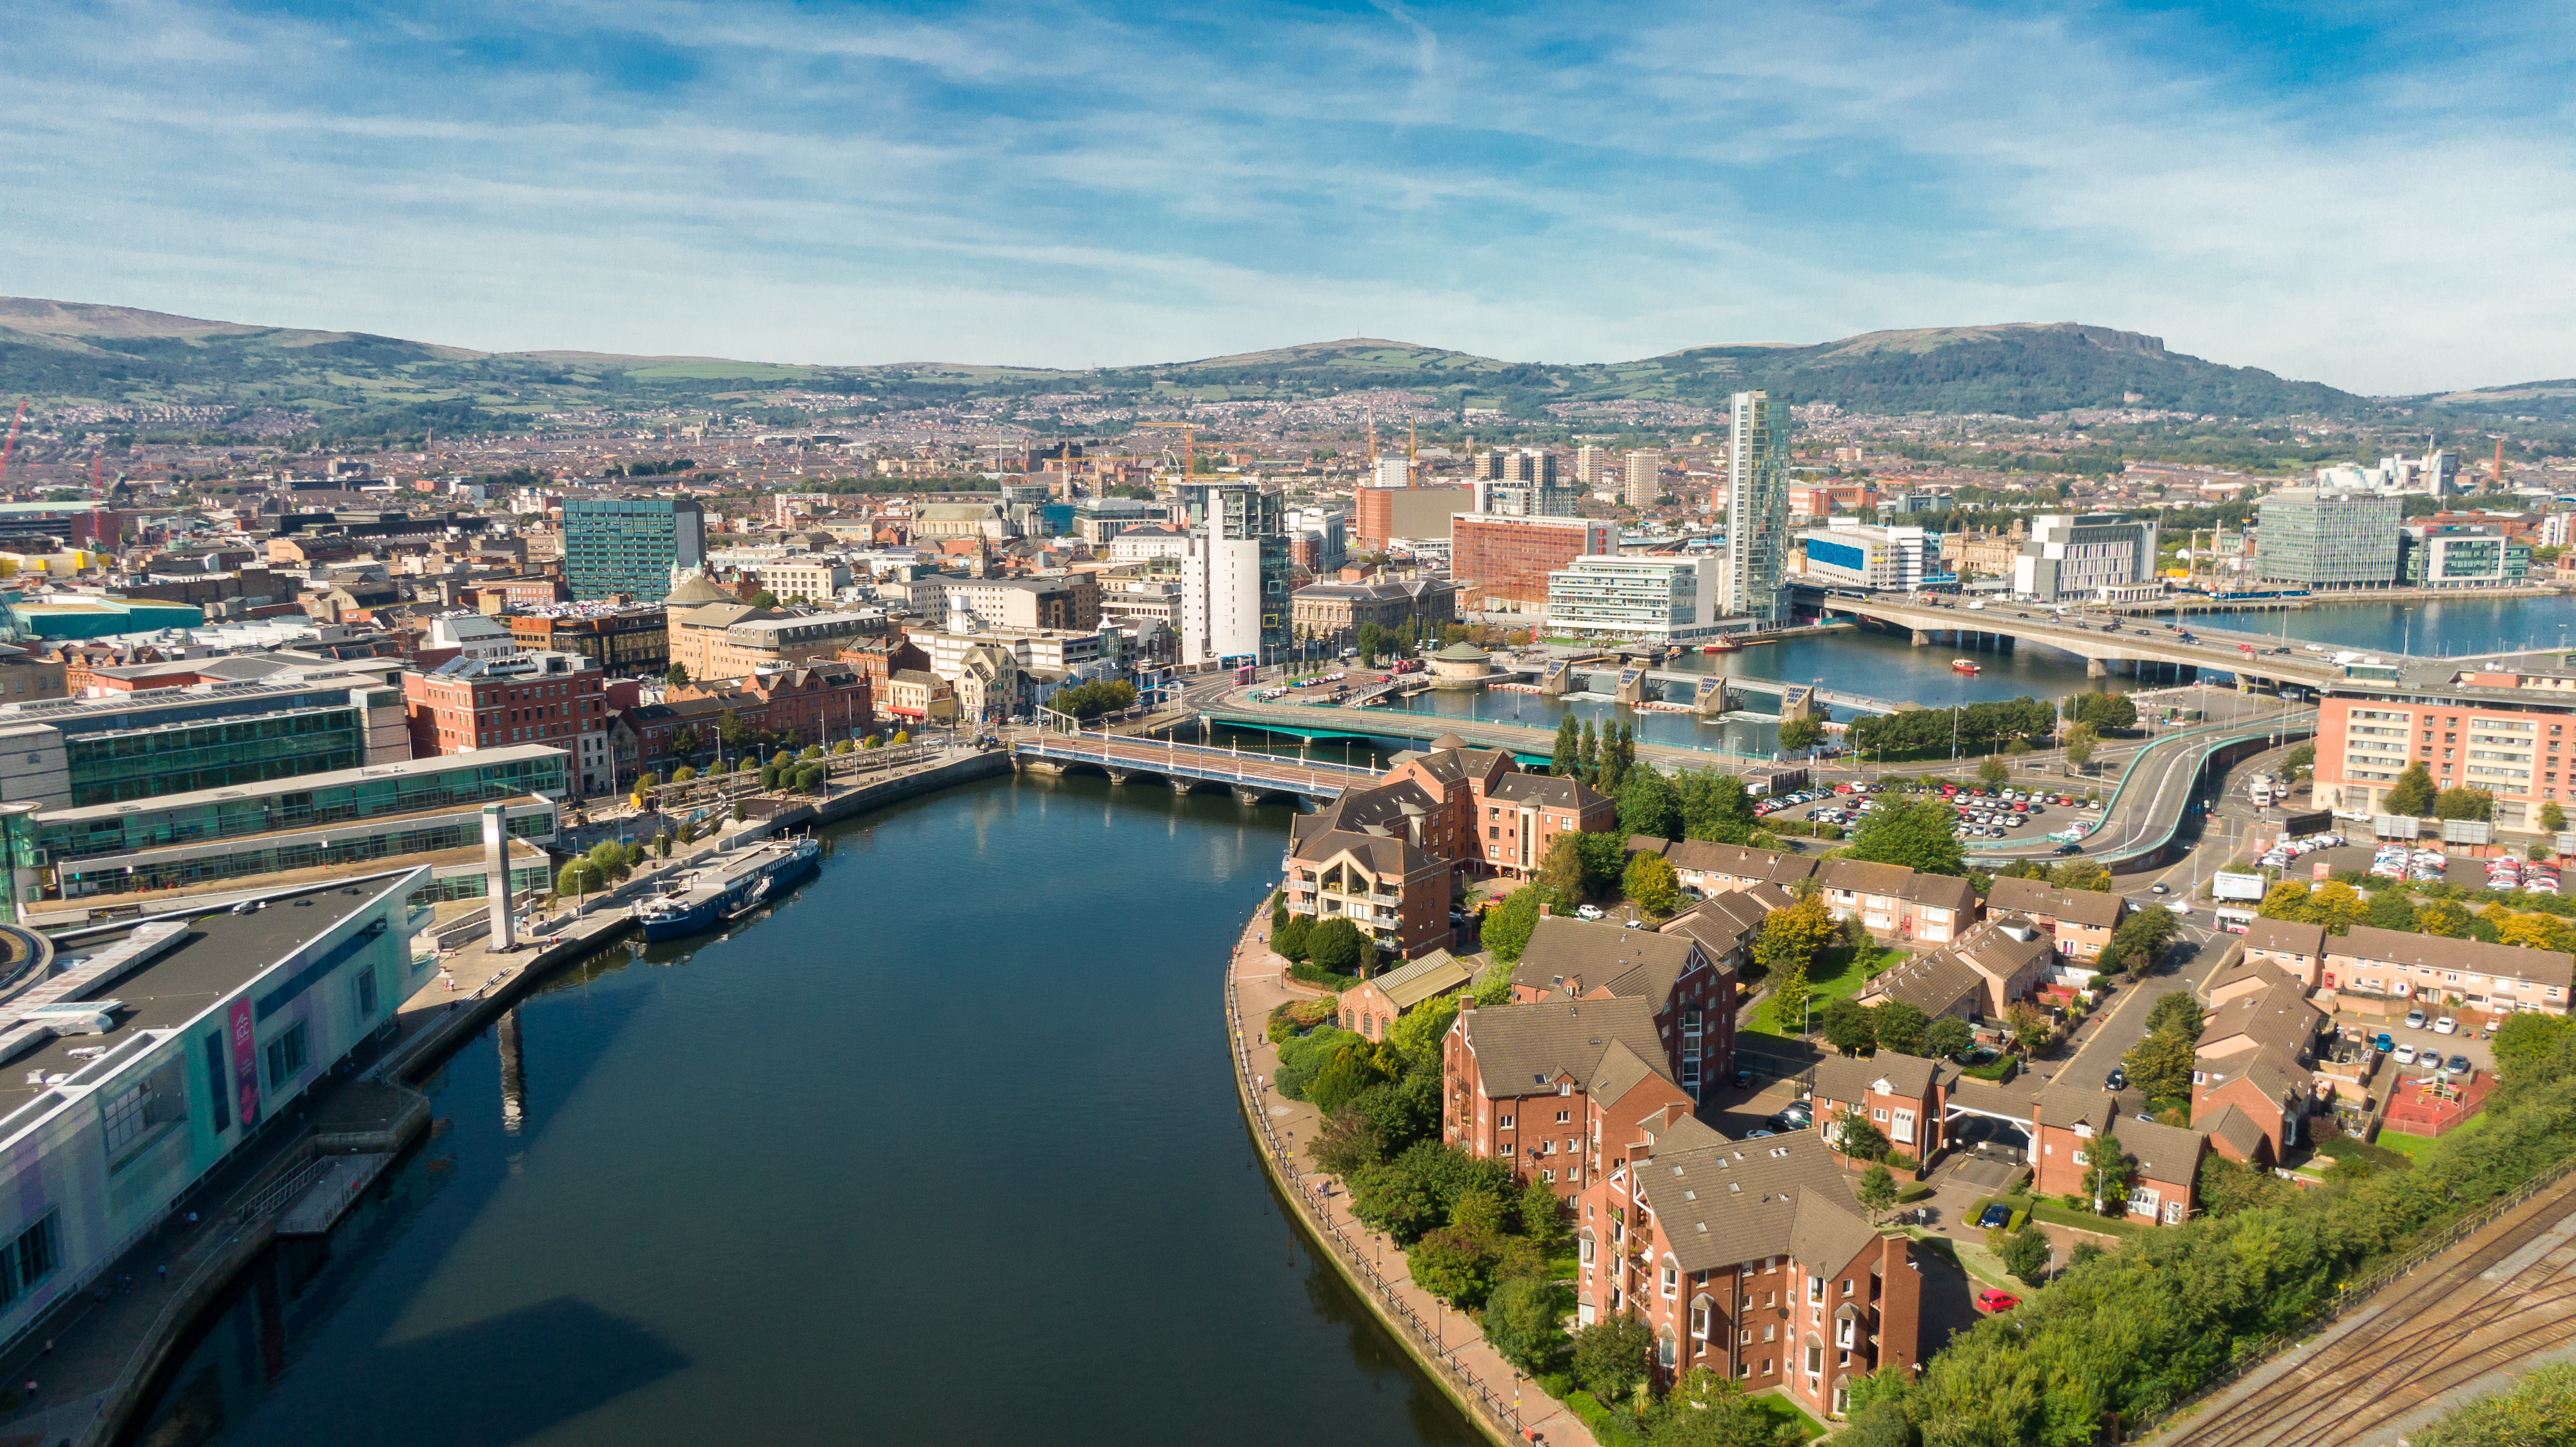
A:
(31, 1257)
(1547, 1175)
(287, 1056)
(2081, 1160)
(1700, 1312)
(1847, 1283)
(1816, 1290)
(1815, 1359)
(1664, 1351)
(1843, 1334)
(1562, 1117)
(1503, 1122)
(1672, 1279)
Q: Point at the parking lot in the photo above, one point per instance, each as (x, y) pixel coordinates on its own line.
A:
(1983, 813)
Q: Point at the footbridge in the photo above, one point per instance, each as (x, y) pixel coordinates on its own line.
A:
(1251, 777)
(2107, 647)
(1532, 746)
(1683, 686)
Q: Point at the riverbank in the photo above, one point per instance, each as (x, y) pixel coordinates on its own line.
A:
(1446, 1344)
(95, 1361)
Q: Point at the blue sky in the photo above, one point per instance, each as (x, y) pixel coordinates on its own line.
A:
(2378, 196)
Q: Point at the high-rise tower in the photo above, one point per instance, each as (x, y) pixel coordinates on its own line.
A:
(1757, 511)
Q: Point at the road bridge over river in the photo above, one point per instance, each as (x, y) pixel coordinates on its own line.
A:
(2108, 646)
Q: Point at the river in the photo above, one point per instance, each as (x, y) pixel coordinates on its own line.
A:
(943, 1149)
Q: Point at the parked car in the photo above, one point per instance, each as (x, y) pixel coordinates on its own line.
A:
(2383, 1043)
(1991, 1301)
(2159, 888)
(2459, 1065)
(2415, 1020)
(1995, 1215)
(2405, 1054)
(1743, 1078)
(2446, 1026)
(1589, 911)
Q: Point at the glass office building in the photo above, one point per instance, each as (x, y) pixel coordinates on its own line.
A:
(2310, 538)
(630, 545)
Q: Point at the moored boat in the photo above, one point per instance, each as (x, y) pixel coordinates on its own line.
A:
(1964, 665)
(706, 897)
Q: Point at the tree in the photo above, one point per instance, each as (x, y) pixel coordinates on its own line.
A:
(2026, 1255)
(2553, 818)
(2390, 909)
(1877, 1190)
(1618, 752)
(1509, 924)
(2464, 804)
(764, 599)
(2539, 1408)
(2537, 932)
(2160, 1064)
(662, 844)
(1916, 834)
(1610, 1356)
(1650, 805)
(1855, 1136)
(2178, 1012)
(1715, 807)
(1416, 1034)
(2527, 1044)
(685, 742)
(1334, 945)
(2286, 900)
(677, 675)
(1453, 1263)
(2412, 794)
(1948, 1036)
(1652, 884)
(2443, 917)
(1848, 1027)
(1587, 754)
(576, 879)
(1561, 869)
(1542, 1213)
(2088, 874)
(1523, 1321)
(739, 811)
(1899, 1027)
(1790, 993)
(2080, 741)
(1995, 772)
(1791, 938)
(1353, 1068)
(2107, 1175)
(688, 831)
(1568, 757)
(2028, 1026)
(1707, 1410)
(1797, 735)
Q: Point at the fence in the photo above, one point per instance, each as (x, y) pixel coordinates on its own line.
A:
(2249, 1356)
(1432, 1338)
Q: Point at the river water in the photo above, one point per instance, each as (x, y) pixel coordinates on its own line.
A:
(941, 1150)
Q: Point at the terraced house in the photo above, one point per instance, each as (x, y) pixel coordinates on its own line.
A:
(2402, 970)
(1751, 1258)
(2079, 922)
(1894, 902)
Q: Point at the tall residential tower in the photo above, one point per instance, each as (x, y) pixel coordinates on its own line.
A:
(1757, 512)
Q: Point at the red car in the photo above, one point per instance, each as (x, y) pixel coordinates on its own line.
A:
(1991, 1300)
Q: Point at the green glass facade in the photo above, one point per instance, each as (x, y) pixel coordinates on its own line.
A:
(255, 858)
(630, 545)
(327, 799)
(110, 768)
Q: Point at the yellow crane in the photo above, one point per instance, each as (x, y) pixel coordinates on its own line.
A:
(1189, 446)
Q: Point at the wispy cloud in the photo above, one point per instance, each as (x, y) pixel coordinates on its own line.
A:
(2374, 198)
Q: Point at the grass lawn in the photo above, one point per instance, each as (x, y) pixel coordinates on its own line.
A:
(2414, 1146)
(1789, 1414)
(1838, 974)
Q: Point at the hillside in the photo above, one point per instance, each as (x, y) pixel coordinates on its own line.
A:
(2522, 401)
(358, 384)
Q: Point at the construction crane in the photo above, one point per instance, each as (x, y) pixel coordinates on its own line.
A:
(12, 445)
(1189, 447)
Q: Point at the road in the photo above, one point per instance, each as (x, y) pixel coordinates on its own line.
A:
(2465, 1323)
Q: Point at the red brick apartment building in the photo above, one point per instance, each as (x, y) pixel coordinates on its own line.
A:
(1691, 994)
(467, 704)
(1555, 1089)
(1450, 812)
(1502, 562)
(1751, 1258)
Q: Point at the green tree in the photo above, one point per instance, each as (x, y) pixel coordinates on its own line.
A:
(2160, 1064)
(1914, 833)
(1949, 1037)
(1353, 1068)
(1854, 1136)
(1995, 772)
(1791, 938)
(2178, 1013)
(2412, 795)
(1335, 945)
(1797, 735)
(2026, 1255)
(2443, 917)
(2553, 818)
(2530, 1045)
(677, 675)
(1587, 754)
(1524, 1320)
(2390, 909)
(1416, 1034)
(1652, 885)
(2081, 740)
(1790, 994)
(1899, 1027)
(2464, 804)
(1610, 1356)
(576, 879)
(764, 599)
(662, 844)
(1707, 1410)
(2088, 874)
(1650, 805)
(1618, 751)
(1453, 1263)
(1560, 870)
(1877, 1190)
(1715, 807)
(1567, 760)
(1542, 1213)
(2287, 900)
(1508, 925)
(688, 831)
(2537, 1411)
(2107, 1175)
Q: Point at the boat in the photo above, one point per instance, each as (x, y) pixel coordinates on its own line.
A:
(1963, 665)
(1722, 645)
(704, 898)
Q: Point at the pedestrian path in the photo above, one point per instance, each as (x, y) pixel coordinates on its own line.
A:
(1450, 1339)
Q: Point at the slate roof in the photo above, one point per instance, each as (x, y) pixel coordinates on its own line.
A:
(1740, 860)
(2285, 936)
(1933, 984)
(2163, 1152)
(2038, 898)
(1412, 983)
(1386, 856)
(1730, 920)
(1522, 1049)
(2549, 967)
(1848, 1078)
(2239, 1130)
(1724, 1203)
(1895, 881)
(2275, 1018)
(1548, 790)
(1627, 962)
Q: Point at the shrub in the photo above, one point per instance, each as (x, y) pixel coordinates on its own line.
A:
(1611, 1355)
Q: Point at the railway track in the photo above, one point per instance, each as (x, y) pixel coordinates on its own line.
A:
(2506, 1295)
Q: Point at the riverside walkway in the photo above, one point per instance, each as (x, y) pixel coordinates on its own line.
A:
(1444, 1340)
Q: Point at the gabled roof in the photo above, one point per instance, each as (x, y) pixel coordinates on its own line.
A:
(1375, 809)
(2037, 898)
(1933, 984)
(2286, 936)
(1730, 920)
(1729, 1202)
(1546, 789)
(1384, 855)
(2276, 1017)
(1523, 1049)
(1562, 952)
(1847, 1078)
(2163, 1152)
(2549, 967)
(1412, 983)
(2239, 1130)
(1742, 861)
(1895, 881)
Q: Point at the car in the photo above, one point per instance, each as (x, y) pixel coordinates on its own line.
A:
(2459, 1065)
(2179, 906)
(2416, 1020)
(2405, 1054)
(1743, 1078)
(2446, 1026)
(2383, 1042)
(1634, 924)
(1995, 1215)
(2118, 1079)
(2069, 849)
(2159, 889)
(1991, 1301)
(1588, 911)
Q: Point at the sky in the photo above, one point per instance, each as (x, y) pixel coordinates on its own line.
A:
(2377, 196)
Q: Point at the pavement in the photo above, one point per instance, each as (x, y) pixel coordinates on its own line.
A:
(1259, 985)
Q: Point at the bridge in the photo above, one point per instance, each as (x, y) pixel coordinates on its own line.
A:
(1530, 745)
(2107, 648)
(2142, 821)
(1252, 777)
(1689, 684)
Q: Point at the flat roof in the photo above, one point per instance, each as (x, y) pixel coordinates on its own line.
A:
(218, 954)
(408, 768)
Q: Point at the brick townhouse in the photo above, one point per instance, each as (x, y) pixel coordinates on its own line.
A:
(1975, 978)
(1904, 1096)
(1728, 925)
(2295, 949)
(1555, 1088)
(1692, 996)
(1724, 868)
(2252, 1061)
(1894, 902)
(2079, 922)
(1751, 1259)
(2439, 973)
(2072, 1118)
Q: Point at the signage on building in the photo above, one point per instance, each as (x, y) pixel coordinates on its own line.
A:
(245, 1041)
(2467, 831)
(2315, 822)
(2393, 826)
(2224, 885)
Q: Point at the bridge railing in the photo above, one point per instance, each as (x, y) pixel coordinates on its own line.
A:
(1197, 761)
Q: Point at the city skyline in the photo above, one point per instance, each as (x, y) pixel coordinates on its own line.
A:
(2346, 199)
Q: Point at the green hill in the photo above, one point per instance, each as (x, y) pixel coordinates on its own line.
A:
(357, 384)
